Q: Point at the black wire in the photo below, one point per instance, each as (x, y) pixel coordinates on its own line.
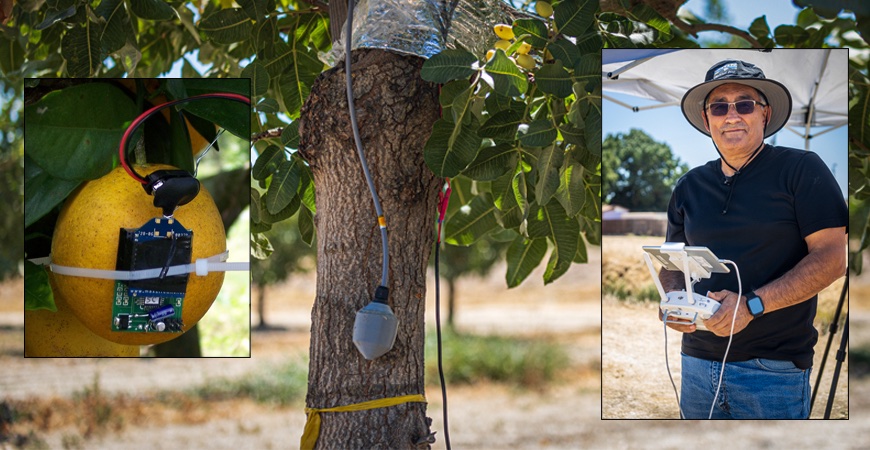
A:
(169, 258)
(438, 332)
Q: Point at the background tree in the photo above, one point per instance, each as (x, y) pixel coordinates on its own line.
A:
(290, 256)
(641, 172)
(531, 148)
(459, 262)
(11, 176)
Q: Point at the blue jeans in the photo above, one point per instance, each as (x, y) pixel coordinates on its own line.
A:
(754, 389)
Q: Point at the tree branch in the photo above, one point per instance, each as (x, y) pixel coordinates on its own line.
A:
(695, 29)
(273, 133)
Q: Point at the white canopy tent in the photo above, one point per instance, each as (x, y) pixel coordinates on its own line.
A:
(816, 78)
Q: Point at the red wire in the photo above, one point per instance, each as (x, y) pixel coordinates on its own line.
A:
(443, 201)
(145, 115)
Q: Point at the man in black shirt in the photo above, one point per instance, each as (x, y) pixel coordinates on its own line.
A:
(779, 215)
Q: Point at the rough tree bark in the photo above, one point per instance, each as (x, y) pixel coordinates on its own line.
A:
(396, 110)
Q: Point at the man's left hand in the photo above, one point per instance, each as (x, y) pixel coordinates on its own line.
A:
(720, 322)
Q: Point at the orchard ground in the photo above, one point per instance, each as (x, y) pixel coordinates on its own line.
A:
(565, 414)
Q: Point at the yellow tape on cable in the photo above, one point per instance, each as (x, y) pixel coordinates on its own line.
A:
(312, 425)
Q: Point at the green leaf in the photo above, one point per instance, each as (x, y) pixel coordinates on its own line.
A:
(261, 248)
(759, 28)
(451, 90)
(264, 38)
(581, 257)
(565, 51)
(43, 192)
(789, 35)
(507, 79)
(556, 267)
(448, 65)
(37, 291)
(152, 9)
(450, 148)
(539, 134)
(523, 256)
(287, 212)
(646, 14)
(295, 82)
(590, 42)
(281, 191)
(290, 135)
(11, 55)
(81, 49)
(572, 134)
(179, 142)
(552, 221)
(572, 188)
(492, 162)
(255, 206)
(859, 115)
(74, 133)
(471, 222)
(508, 212)
(573, 17)
(268, 162)
(306, 226)
(56, 13)
(257, 9)
(502, 125)
(593, 132)
(460, 108)
(227, 26)
(519, 189)
(259, 78)
(306, 188)
(535, 29)
(114, 34)
(552, 158)
(553, 79)
(268, 106)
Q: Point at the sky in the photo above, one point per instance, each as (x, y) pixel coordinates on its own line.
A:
(668, 125)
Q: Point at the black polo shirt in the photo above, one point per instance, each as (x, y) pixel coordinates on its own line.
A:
(780, 198)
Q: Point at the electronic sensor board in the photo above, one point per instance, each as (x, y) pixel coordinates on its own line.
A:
(154, 304)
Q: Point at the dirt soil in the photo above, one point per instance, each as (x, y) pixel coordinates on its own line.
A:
(565, 415)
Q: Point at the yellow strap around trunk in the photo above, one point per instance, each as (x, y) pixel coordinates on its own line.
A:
(312, 425)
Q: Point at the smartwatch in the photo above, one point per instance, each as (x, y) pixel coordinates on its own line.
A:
(755, 305)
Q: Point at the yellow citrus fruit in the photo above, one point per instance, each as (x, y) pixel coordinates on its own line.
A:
(502, 44)
(526, 62)
(61, 334)
(504, 31)
(86, 235)
(524, 48)
(544, 9)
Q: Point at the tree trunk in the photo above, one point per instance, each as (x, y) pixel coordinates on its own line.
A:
(396, 110)
(261, 306)
(451, 302)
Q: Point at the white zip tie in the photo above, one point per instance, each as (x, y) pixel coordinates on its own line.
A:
(201, 267)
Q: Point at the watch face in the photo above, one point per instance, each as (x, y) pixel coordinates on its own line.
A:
(755, 306)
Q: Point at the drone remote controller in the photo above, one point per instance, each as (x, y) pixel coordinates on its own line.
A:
(678, 305)
(696, 263)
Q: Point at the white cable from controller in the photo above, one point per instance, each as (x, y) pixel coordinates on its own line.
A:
(727, 348)
(201, 267)
(668, 366)
(730, 334)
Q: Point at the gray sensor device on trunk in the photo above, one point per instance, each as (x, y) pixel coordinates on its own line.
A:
(375, 327)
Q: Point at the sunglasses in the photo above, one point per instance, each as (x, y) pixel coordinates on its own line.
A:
(743, 107)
